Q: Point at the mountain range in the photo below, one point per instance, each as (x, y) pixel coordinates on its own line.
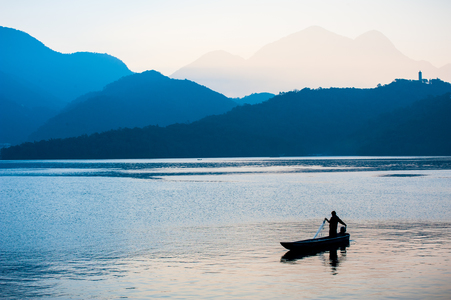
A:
(65, 76)
(37, 82)
(405, 117)
(23, 108)
(137, 100)
(151, 115)
(313, 57)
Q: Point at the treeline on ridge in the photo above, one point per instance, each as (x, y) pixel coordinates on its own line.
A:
(401, 118)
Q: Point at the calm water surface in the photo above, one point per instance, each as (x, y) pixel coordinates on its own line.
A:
(210, 228)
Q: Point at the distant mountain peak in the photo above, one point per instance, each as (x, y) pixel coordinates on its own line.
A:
(136, 80)
(374, 37)
(317, 31)
(65, 76)
(311, 37)
(10, 38)
(218, 58)
(313, 57)
(377, 43)
(148, 75)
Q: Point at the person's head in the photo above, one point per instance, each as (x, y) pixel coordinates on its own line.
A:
(333, 213)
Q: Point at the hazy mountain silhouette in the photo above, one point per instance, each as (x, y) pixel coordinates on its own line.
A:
(65, 76)
(23, 108)
(27, 94)
(36, 82)
(401, 118)
(313, 57)
(137, 100)
(17, 121)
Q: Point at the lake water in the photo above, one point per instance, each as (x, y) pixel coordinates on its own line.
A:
(210, 228)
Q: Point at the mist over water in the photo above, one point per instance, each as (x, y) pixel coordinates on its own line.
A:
(210, 228)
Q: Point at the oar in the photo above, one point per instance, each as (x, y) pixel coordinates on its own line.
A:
(319, 229)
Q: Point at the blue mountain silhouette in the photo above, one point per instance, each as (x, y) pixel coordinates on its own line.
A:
(138, 100)
(65, 76)
(37, 82)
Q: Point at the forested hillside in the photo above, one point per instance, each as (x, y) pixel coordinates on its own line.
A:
(402, 118)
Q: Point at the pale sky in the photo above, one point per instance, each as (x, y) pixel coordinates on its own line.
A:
(167, 35)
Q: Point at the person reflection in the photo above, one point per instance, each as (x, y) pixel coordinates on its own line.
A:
(334, 260)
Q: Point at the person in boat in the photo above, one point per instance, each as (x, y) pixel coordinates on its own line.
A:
(333, 224)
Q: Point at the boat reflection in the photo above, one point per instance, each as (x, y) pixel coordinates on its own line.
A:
(333, 260)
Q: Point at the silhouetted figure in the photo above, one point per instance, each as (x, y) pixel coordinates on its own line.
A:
(333, 224)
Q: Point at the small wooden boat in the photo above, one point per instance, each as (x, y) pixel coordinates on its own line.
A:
(323, 243)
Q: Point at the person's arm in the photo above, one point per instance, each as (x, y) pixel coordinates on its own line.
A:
(343, 223)
(325, 219)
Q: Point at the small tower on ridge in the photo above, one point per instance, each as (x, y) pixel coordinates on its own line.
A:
(420, 76)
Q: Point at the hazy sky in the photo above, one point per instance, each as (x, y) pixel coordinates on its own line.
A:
(166, 35)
